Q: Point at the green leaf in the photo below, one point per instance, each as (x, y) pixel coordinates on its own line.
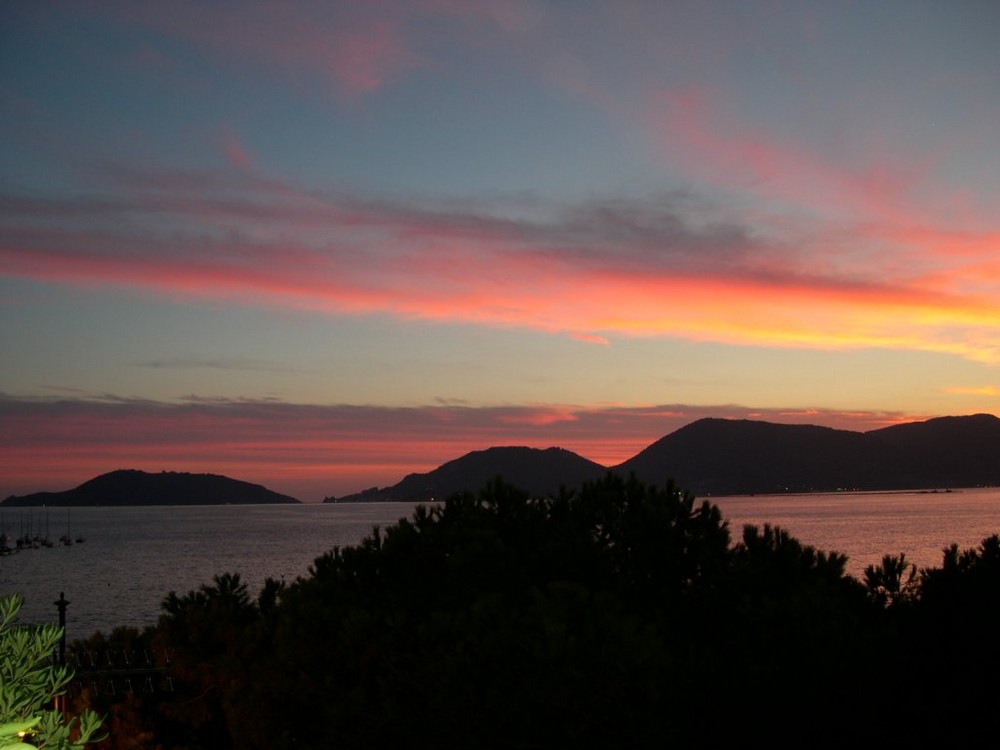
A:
(16, 727)
(11, 733)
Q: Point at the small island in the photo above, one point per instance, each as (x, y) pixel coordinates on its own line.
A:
(132, 487)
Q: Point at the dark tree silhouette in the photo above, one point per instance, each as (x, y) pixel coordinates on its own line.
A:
(622, 615)
(892, 582)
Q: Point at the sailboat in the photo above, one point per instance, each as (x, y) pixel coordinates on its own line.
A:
(5, 538)
(66, 538)
(46, 542)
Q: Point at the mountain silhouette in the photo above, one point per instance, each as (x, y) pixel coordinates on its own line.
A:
(723, 456)
(132, 487)
(942, 452)
(739, 457)
(535, 470)
(730, 457)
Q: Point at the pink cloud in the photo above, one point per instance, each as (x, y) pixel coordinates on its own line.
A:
(540, 416)
(590, 272)
(695, 131)
(235, 152)
(359, 46)
(589, 338)
(889, 193)
(363, 59)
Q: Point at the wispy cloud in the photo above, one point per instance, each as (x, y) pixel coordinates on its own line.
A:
(235, 152)
(359, 47)
(196, 363)
(604, 268)
(974, 390)
(694, 131)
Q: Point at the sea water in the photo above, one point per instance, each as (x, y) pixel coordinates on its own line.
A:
(130, 558)
(865, 526)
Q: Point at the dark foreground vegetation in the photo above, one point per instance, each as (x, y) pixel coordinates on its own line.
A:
(622, 615)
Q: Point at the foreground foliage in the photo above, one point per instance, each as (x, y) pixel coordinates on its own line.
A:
(29, 681)
(623, 615)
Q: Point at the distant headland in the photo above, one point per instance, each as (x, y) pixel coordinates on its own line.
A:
(742, 457)
(133, 487)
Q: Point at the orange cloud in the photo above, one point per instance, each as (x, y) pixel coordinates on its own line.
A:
(868, 254)
(591, 272)
(981, 390)
(539, 416)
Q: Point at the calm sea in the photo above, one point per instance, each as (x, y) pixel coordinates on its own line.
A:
(132, 557)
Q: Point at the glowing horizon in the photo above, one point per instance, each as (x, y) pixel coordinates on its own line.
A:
(311, 451)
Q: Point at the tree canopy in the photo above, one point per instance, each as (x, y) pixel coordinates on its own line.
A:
(623, 614)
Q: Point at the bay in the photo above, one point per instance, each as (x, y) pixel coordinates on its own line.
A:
(132, 557)
(865, 526)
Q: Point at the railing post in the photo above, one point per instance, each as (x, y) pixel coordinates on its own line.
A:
(62, 604)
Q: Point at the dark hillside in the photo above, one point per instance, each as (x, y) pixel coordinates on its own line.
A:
(540, 472)
(942, 452)
(720, 456)
(736, 457)
(131, 487)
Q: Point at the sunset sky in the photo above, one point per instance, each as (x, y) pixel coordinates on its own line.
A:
(320, 245)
